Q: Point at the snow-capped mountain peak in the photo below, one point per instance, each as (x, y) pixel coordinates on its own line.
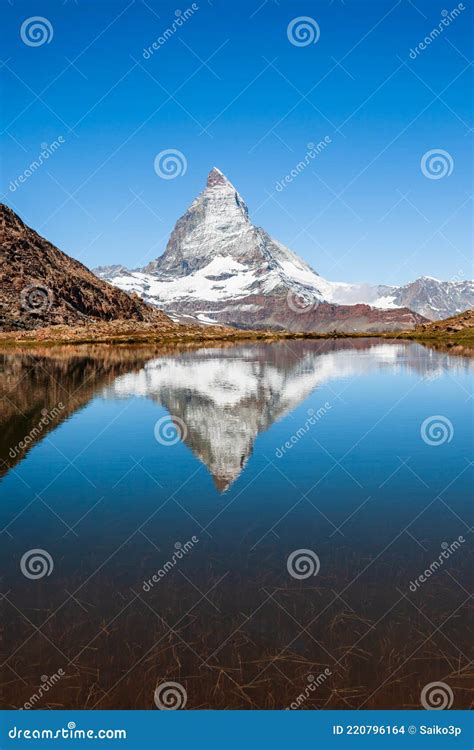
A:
(215, 224)
(219, 268)
(216, 177)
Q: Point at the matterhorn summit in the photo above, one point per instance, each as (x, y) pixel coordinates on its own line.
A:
(219, 268)
(216, 226)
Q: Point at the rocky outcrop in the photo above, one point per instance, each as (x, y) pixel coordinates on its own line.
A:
(40, 285)
(458, 324)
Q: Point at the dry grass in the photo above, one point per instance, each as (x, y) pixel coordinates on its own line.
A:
(455, 331)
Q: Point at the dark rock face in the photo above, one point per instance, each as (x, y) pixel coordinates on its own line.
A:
(40, 285)
(272, 312)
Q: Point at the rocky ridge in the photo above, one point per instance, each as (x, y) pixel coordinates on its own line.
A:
(41, 286)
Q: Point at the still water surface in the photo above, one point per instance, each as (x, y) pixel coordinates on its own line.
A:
(169, 536)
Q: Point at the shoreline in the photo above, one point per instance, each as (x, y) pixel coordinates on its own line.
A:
(12, 341)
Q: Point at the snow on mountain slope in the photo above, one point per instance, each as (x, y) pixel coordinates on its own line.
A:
(436, 299)
(219, 267)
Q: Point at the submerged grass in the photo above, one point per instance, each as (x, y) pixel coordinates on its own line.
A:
(241, 649)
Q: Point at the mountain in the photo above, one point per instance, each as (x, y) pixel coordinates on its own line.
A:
(42, 286)
(427, 296)
(435, 299)
(219, 267)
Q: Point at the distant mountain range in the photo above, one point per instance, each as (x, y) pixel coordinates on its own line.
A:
(42, 286)
(219, 268)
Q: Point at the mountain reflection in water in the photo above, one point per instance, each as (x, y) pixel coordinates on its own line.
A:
(225, 397)
(85, 479)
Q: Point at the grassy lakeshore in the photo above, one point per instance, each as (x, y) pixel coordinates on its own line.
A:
(456, 331)
(226, 336)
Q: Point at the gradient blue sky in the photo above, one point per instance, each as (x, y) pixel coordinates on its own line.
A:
(362, 210)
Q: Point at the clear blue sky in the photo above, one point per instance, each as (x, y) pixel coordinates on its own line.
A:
(362, 209)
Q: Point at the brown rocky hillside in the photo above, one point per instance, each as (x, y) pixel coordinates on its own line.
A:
(42, 286)
(457, 324)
